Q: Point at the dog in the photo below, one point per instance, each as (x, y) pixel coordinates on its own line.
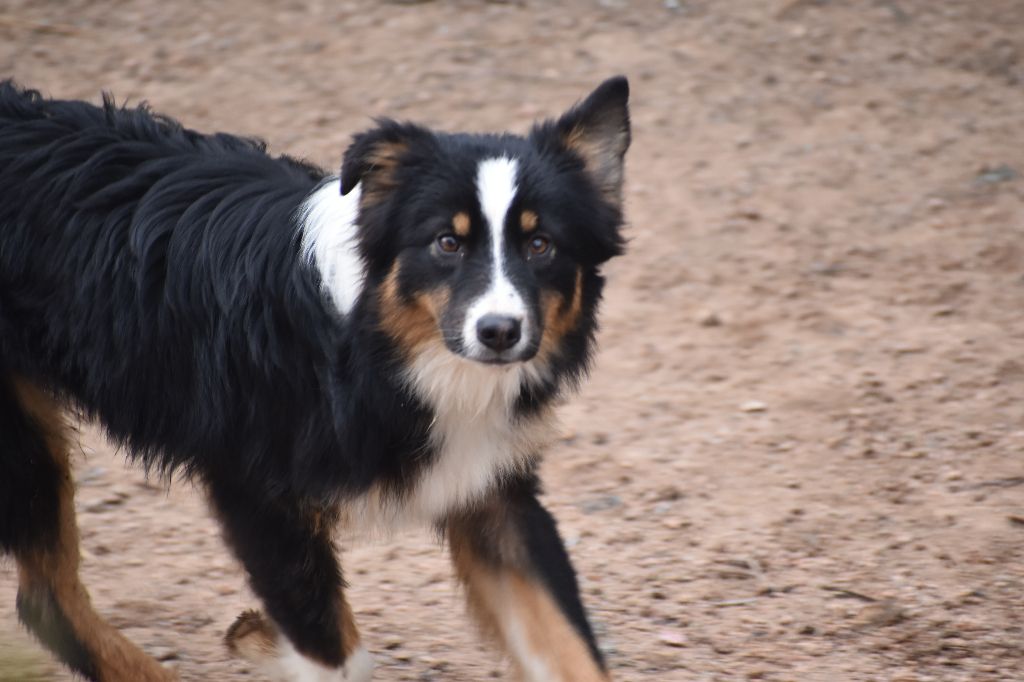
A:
(320, 353)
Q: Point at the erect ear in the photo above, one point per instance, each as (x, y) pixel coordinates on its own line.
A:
(597, 129)
(375, 155)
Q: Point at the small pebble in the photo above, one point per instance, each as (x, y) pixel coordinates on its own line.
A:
(163, 653)
(709, 318)
(672, 638)
(600, 504)
(879, 614)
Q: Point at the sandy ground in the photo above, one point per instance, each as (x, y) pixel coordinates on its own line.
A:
(801, 455)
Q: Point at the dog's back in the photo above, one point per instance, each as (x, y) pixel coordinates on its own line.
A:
(36, 492)
(143, 268)
(181, 248)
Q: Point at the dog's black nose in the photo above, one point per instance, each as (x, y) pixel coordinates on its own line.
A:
(498, 332)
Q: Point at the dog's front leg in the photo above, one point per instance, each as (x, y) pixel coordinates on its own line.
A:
(308, 632)
(522, 588)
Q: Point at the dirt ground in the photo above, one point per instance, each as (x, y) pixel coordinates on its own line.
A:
(801, 454)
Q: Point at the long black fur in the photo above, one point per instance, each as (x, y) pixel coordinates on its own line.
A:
(153, 276)
(30, 480)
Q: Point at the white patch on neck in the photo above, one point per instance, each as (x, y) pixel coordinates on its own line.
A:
(329, 241)
(496, 189)
(291, 666)
(476, 439)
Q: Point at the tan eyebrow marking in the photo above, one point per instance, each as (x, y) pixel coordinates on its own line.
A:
(528, 220)
(461, 224)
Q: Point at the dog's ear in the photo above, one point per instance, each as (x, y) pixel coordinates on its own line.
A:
(597, 129)
(374, 157)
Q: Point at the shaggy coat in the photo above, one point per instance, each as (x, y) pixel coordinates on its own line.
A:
(358, 351)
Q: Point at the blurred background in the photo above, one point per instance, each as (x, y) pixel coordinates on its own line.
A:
(801, 454)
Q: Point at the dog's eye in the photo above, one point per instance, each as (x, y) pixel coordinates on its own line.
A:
(448, 243)
(539, 245)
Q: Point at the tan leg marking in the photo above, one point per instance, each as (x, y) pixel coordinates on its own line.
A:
(521, 615)
(252, 636)
(55, 568)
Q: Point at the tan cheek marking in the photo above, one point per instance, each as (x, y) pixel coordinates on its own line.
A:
(412, 324)
(461, 223)
(560, 316)
(528, 220)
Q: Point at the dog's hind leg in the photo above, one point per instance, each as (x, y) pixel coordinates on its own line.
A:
(37, 525)
(308, 632)
(522, 588)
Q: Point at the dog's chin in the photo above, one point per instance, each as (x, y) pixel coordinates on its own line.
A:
(498, 361)
(492, 359)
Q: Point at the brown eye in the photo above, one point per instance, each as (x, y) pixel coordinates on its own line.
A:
(539, 245)
(448, 243)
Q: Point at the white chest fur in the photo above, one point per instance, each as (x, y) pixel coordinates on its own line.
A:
(475, 437)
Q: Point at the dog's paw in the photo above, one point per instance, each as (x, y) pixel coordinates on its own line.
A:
(359, 666)
(255, 638)
(252, 636)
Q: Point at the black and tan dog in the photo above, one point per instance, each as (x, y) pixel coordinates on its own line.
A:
(354, 352)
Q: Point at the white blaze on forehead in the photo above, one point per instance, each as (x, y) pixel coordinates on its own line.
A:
(329, 241)
(496, 189)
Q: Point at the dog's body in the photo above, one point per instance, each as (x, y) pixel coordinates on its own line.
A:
(363, 351)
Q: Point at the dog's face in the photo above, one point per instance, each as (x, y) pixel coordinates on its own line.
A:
(490, 245)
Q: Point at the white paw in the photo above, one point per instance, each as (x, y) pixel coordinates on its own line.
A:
(255, 638)
(359, 666)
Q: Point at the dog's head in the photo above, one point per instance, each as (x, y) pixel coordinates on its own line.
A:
(491, 244)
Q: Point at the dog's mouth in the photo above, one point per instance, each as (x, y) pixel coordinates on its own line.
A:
(491, 358)
(499, 361)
